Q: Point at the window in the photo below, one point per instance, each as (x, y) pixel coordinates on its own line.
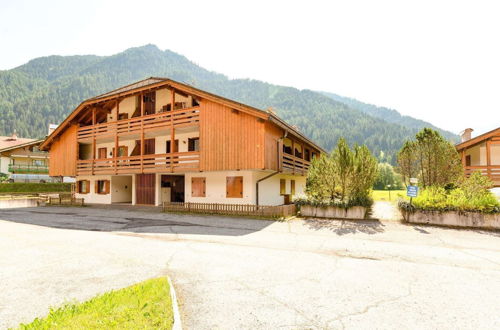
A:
(38, 162)
(234, 187)
(149, 146)
(313, 155)
(198, 187)
(122, 116)
(468, 161)
(307, 155)
(282, 186)
(102, 187)
(287, 146)
(292, 187)
(82, 186)
(176, 146)
(101, 152)
(122, 151)
(194, 144)
(298, 150)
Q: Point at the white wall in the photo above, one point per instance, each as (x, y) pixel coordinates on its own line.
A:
(4, 165)
(127, 105)
(121, 189)
(92, 197)
(161, 141)
(269, 189)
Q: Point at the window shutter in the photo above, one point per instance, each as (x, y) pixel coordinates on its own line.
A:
(292, 187)
(106, 186)
(234, 187)
(96, 186)
(87, 186)
(198, 187)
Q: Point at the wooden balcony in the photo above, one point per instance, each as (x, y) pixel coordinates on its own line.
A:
(293, 164)
(492, 171)
(162, 120)
(157, 163)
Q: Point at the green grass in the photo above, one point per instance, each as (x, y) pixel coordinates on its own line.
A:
(383, 195)
(145, 305)
(21, 187)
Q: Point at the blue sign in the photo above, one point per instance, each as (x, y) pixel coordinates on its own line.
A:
(412, 191)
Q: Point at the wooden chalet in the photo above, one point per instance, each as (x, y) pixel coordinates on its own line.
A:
(481, 153)
(160, 140)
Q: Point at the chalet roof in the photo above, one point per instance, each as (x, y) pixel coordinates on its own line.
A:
(12, 141)
(153, 82)
(478, 139)
(139, 84)
(26, 143)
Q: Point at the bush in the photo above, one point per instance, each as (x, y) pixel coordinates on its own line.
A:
(21, 187)
(342, 179)
(471, 195)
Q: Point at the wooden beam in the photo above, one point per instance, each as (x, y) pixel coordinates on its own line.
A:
(172, 130)
(488, 157)
(93, 116)
(142, 104)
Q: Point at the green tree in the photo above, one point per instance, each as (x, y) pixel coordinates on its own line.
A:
(387, 177)
(343, 160)
(431, 158)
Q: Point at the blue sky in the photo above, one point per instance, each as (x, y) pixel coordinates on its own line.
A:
(434, 60)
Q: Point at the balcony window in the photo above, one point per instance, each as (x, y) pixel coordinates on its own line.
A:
(298, 151)
(194, 144)
(287, 146)
(176, 146)
(307, 154)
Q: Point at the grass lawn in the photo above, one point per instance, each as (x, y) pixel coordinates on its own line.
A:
(383, 195)
(145, 305)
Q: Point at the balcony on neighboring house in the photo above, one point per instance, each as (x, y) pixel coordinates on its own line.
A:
(28, 169)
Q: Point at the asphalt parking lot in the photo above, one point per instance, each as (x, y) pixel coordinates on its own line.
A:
(233, 273)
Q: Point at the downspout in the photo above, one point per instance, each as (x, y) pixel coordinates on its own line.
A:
(270, 175)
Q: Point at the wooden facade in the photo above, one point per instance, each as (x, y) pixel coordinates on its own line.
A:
(229, 135)
(482, 154)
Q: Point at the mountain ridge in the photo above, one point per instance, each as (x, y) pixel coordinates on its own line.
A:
(46, 89)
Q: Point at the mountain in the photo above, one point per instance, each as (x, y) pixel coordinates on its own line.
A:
(45, 90)
(389, 115)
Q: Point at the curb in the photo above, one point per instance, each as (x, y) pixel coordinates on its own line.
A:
(175, 307)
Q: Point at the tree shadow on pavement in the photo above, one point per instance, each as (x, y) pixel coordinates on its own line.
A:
(344, 227)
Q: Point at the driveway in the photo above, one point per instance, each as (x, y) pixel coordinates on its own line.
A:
(253, 274)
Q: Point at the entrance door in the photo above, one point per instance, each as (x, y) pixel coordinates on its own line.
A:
(172, 187)
(145, 189)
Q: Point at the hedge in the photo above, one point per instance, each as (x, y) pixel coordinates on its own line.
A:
(22, 187)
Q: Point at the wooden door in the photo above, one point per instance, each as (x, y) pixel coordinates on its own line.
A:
(145, 189)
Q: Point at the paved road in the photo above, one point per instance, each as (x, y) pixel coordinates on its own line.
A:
(236, 273)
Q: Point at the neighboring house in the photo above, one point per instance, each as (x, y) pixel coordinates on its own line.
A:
(160, 140)
(22, 161)
(481, 153)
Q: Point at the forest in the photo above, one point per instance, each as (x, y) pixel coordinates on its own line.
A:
(45, 90)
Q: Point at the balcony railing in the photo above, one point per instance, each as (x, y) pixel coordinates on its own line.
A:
(180, 118)
(293, 164)
(157, 163)
(28, 169)
(492, 171)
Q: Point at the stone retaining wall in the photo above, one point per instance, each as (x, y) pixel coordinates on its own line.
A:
(454, 218)
(355, 212)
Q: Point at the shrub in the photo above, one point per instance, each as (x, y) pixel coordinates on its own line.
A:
(22, 187)
(471, 195)
(342, 179)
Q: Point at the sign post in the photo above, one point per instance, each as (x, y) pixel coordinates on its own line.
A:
(412, 189)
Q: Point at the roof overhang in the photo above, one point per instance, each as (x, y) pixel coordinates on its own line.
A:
(478, 139)
(155, 83)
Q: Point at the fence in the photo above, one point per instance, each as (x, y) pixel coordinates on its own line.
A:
(232, 209)
(65, 200)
